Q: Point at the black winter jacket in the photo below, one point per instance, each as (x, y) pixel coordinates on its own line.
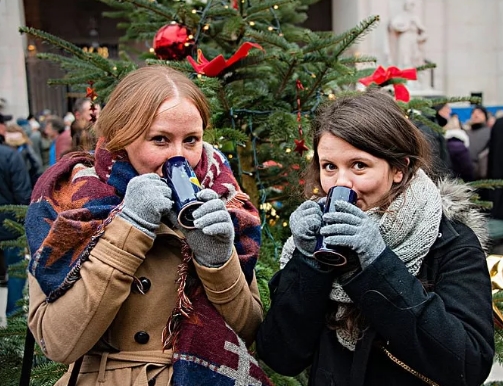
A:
(15, 186)
(440, 326)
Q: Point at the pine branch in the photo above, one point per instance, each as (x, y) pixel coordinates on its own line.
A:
(427, 66)
(153, 7)
(486, 184)
(251, 12)
(19, 211)
(355, 34)
(270, 39)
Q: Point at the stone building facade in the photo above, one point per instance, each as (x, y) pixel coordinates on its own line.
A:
(464, 39)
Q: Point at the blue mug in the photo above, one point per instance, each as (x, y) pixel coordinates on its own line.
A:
(333, 255)
(184, 185)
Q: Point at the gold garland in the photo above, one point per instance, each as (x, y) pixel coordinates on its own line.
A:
(495, 265)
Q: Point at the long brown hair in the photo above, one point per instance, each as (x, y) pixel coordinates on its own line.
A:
(133, 104)
(373, 122)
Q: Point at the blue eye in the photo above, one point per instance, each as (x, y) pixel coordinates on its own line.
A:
(160, 139)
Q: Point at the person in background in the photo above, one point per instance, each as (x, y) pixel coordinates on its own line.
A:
(441, 161)
(32, 120)
(39, 141)
(495, 167)
(53, 128)
(15, 189)
(114, 279)
(86, 113)
(458, 145)
(17, 138)
(68, 119)
(457, 142)
(64, 140)
(411, 304)
(479, 134)
(25, 125)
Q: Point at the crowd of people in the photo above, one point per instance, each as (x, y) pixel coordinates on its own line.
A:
(124, 293)
(30, 146)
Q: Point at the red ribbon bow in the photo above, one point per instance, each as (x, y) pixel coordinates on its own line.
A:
(217, 65)
(382, 75)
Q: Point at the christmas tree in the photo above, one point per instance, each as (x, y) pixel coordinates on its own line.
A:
(264, 76)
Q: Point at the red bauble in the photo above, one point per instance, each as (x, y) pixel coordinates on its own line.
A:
(173, 42)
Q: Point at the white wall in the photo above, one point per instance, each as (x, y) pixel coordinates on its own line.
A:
(465, 40)
(13, 86)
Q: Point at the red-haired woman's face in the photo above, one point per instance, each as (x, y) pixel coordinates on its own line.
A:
(342, 164)
(177, 130)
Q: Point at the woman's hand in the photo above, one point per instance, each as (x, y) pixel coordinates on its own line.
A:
(147, 200)
(213, 238)
(349, 226)
(305, 224)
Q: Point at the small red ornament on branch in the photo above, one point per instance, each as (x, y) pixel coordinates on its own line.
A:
(383, 77)
(91, 94)
(173, 42)
(300, 146)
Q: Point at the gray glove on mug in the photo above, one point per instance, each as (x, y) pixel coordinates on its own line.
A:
(213, 238)
(147, 199)
(305, 224)
(349, 226)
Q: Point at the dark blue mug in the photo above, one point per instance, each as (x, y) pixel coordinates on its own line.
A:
(336, 256)
(184, 185)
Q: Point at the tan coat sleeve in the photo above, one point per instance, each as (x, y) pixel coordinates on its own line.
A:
(70, 326)
(238, 302)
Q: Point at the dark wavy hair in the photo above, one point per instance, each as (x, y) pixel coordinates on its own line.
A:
(373, 122)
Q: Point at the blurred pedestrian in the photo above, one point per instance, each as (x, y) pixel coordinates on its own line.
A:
(15, 189)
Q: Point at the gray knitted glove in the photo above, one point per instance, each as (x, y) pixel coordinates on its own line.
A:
(147, 199)
(305, 224)
(213, 238)
(349, 226)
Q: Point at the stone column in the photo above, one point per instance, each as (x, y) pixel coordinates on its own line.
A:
(13, 86)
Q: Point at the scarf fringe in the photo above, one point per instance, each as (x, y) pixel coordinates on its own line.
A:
(183, 308)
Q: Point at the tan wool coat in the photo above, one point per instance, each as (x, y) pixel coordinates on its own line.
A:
(106, 318)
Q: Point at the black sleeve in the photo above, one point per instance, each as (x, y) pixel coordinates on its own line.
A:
(447, 334)
(21, 184)
(290, 333)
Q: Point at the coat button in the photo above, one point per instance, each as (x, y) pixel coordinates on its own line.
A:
(142, 283)
(141, 337)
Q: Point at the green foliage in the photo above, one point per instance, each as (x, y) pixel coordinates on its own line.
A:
(259, 105)
(16, 227)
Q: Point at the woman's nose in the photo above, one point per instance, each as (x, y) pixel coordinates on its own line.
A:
(176, 151)
(344, 179)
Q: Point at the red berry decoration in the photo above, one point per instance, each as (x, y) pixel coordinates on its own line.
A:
(173, 42)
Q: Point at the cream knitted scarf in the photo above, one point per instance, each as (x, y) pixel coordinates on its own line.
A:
(409, 227)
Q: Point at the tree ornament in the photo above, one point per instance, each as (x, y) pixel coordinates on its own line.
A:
(300, 146)
(215, 66)
(385, 76)
(91, 94)
(173, 42)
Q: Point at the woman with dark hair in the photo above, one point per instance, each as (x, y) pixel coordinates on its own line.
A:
(410, 303)
(119, 290)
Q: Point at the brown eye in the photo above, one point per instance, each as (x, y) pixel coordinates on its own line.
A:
(360, 165)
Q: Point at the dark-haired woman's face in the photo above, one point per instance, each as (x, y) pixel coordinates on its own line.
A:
(342, 164)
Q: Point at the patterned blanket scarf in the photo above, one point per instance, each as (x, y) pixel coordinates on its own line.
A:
(75, 199)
